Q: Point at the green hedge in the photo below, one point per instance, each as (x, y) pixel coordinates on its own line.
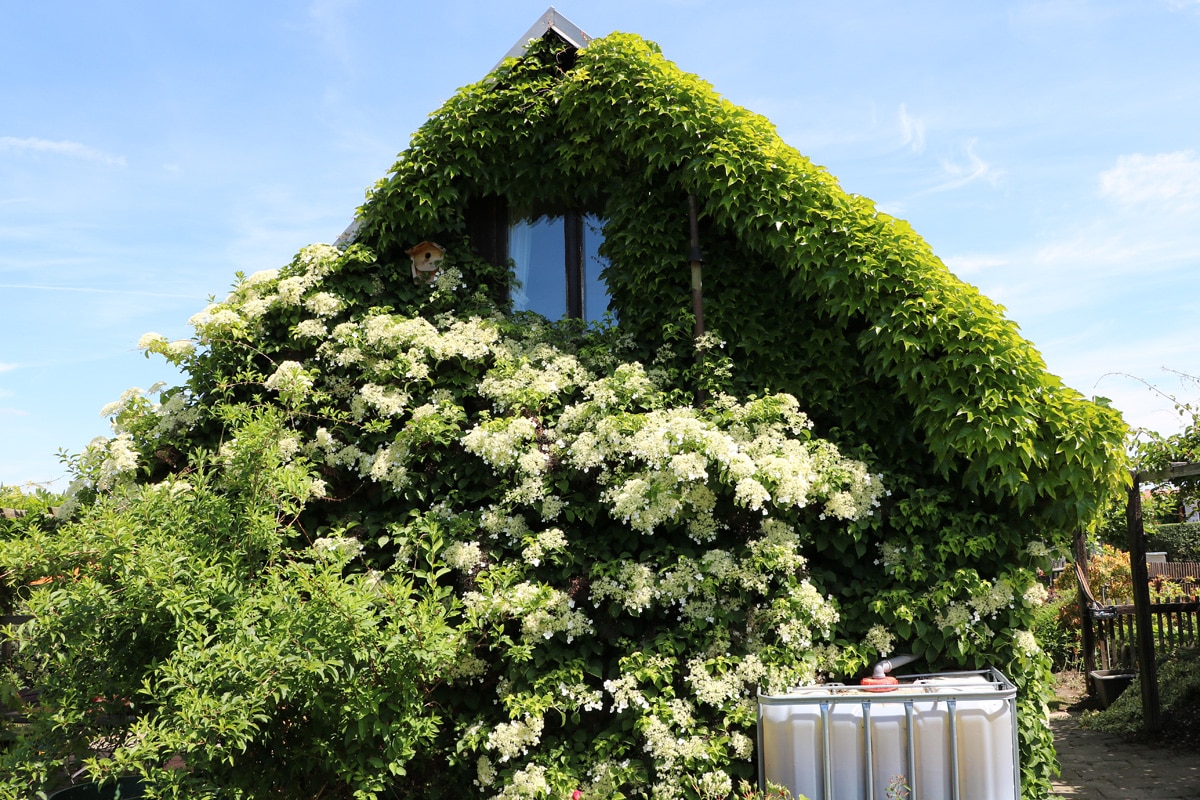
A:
(1180, 541)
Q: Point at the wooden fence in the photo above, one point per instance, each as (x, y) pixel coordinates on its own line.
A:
(1176, 625)
(1175, 570)
(1110, 631)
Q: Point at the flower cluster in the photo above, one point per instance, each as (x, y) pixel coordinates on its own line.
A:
(542, 610)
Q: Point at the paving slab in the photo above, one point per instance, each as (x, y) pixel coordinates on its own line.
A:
(1103, 766)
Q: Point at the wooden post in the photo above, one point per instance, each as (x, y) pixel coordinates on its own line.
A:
(1147, 666)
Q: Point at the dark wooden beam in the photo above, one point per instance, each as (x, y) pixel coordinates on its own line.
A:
(1088, 634)
(1147, 667)
(1170, 473)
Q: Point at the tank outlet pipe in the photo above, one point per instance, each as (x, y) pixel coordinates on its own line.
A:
(888, 664)
(879, 680)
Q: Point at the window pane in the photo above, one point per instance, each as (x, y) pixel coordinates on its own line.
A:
(595, 293)
(538, 250)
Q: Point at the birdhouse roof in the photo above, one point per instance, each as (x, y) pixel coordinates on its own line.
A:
(423, 246)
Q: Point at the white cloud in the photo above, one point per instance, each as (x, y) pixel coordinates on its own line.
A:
(71, 149)
(957, 175)
(1153, 179)
(912, 130)
(7, 367)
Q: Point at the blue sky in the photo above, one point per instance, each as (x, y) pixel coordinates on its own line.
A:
(1049, 152)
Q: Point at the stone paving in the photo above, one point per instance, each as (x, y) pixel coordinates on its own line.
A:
(1101, 766)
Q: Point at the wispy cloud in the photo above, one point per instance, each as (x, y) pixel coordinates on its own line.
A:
(957, 174)
(1153, 179)
(7, 367)
(62, 148)
(912, 130)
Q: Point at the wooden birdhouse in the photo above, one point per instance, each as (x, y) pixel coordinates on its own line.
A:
(426, 260)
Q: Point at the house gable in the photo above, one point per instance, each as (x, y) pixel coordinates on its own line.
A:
(815, 291)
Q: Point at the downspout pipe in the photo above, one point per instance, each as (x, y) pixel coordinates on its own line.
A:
(696, 259)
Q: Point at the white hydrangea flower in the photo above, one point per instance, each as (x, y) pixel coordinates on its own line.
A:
(388, 402)
(255, 308)
(485, 773)
(993, 599)
(319, 259)
(311, 329)
(715, 783)
(342, 548)
(149, 340)
(501, 442)
(625, 693)
(216, 320)
(323, 304)
(291, 380)
(127, 397)
(511, 739)
(880, 639)
(259, 278)
(954, 616)
(527, 784)
(1025, 642)
(548, 541)
(291, 290)
(464, 556)
(1037, 549)
(1035, 595)
(120, 459)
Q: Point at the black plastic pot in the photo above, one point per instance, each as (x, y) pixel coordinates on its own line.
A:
(1110, 683)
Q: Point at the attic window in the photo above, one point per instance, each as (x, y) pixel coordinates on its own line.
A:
(558, 265)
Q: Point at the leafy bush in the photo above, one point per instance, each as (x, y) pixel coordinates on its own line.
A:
(1056, 628)
(1180, 541)
(1179, 701)
(519, 559)
(180, 620)
(1108, 574)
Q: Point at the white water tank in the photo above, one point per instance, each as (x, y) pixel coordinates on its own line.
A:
(945, 736)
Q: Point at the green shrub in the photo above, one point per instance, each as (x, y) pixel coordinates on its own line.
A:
(1056, 627)
(1179, 699)
(181, 620)
(1180, 541)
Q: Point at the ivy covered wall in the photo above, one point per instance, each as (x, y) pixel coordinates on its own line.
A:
(989, 459)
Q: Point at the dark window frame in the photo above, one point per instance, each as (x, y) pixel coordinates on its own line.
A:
(489, 222)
